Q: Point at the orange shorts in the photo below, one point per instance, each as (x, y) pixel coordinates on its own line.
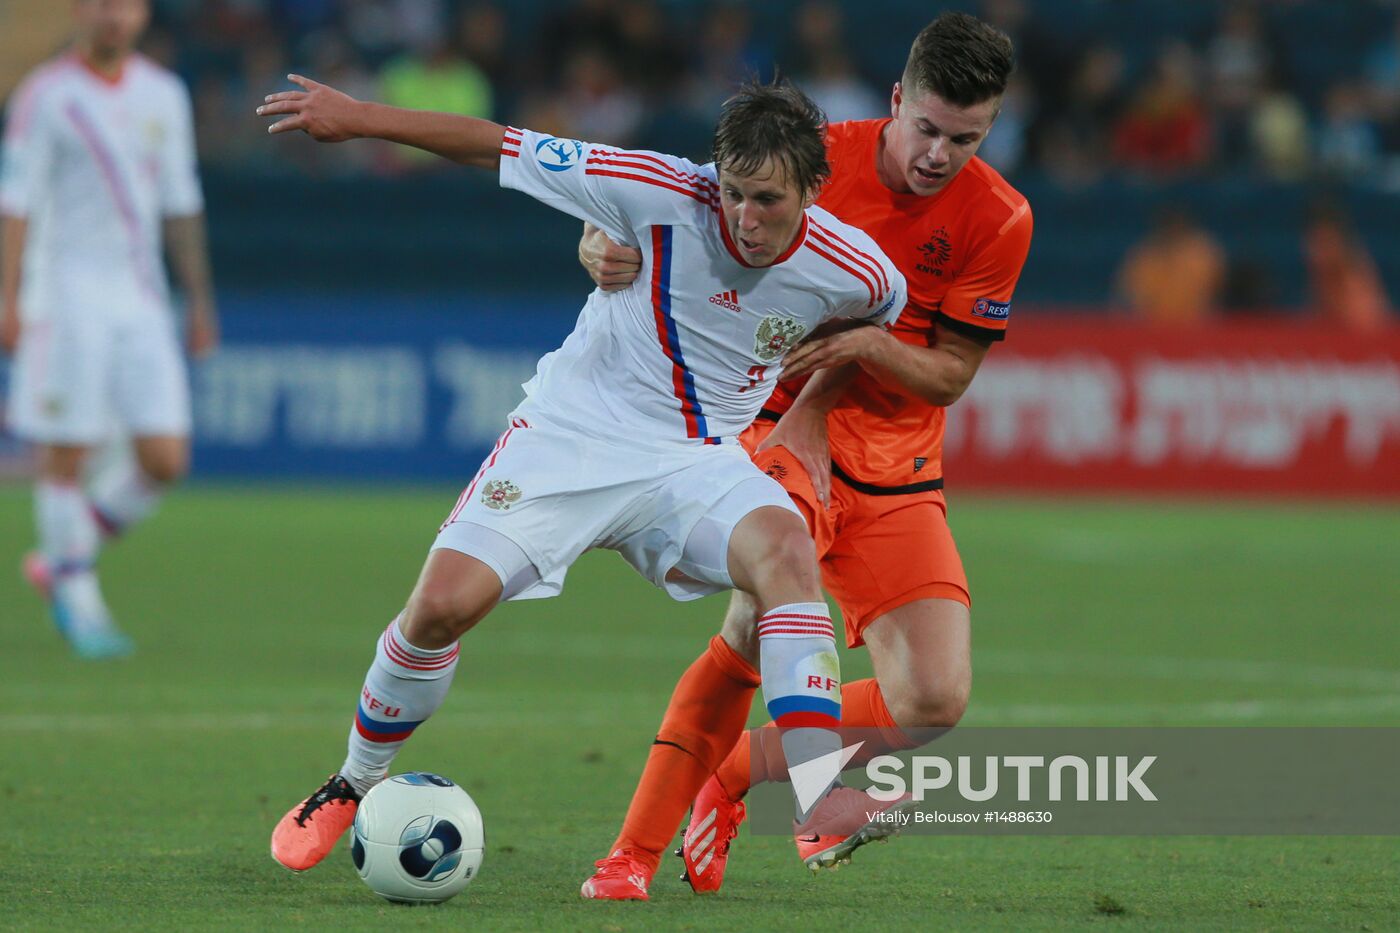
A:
(877, 553)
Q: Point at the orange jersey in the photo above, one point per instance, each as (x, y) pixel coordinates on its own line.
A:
(961, 251)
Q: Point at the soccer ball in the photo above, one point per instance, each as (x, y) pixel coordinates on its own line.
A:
(417, 839)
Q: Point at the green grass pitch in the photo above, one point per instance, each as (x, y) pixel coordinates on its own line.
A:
(139, 795)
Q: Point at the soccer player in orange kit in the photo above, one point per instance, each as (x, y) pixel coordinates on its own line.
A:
(874, 504)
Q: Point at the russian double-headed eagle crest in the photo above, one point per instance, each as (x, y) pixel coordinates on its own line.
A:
(500, 494)
(775, 336)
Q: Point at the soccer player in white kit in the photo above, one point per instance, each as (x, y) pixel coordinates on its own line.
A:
(627, 437)
(98, 170)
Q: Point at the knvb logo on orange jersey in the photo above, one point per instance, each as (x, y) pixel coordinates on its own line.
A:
(935, 253)
(728, 300)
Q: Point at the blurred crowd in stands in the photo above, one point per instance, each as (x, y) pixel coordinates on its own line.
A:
(1288, 89)
(1178, 143)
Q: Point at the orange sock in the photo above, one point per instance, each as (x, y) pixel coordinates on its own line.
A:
(705, 718)
(862, 707)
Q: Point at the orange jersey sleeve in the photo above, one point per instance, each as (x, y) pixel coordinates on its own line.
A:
(999, 236)
(961, 251)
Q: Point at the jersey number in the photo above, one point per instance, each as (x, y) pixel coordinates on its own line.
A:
(755, 377)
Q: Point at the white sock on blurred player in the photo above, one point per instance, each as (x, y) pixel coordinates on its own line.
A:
(122, 495)
(405, 685)
(68, 539)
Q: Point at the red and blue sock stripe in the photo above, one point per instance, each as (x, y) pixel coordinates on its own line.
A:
(107, 523)
(798, 712)
(377, 730)
(68, 568)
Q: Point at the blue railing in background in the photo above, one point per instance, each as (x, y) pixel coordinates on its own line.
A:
(366, 386)
(357, 386)
(456, 230)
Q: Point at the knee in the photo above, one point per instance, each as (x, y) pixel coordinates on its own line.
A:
(930, 703)
(796, 550)
(436, 616)
(167, 473)
(790, 556)
(62, 464)
(167, 467)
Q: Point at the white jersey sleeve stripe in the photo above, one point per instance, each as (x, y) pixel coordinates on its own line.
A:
(699, 186)
(863, 259)
(510, 143)
(814, 243)
(700, 194)
(631, 159)
(626, 200)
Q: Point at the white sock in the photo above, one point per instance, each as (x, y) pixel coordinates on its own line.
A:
(68, 539)
(68, 535)
(405, 685)
(801, 680)
(122, 495)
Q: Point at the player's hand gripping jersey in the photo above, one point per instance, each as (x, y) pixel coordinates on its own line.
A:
(962, 250)
(691, 351)
(94, 165)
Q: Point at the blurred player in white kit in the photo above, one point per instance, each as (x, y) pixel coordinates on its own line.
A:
(98, 171)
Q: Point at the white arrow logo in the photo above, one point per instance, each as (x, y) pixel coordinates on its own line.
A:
(811, 779)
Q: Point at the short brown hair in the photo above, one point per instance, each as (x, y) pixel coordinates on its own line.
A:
(961, 59)
(775, 121)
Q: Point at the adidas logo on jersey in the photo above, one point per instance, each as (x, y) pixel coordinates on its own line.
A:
(729, 300)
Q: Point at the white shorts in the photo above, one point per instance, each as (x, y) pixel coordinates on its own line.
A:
(81, 380)
(556, 493)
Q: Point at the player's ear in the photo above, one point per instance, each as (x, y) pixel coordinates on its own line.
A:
(896, 96)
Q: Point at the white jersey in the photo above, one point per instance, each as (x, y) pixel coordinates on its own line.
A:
(692, 349)
(94, 165)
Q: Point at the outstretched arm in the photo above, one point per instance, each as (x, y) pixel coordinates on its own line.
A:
(938, 374)
(330, 116)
